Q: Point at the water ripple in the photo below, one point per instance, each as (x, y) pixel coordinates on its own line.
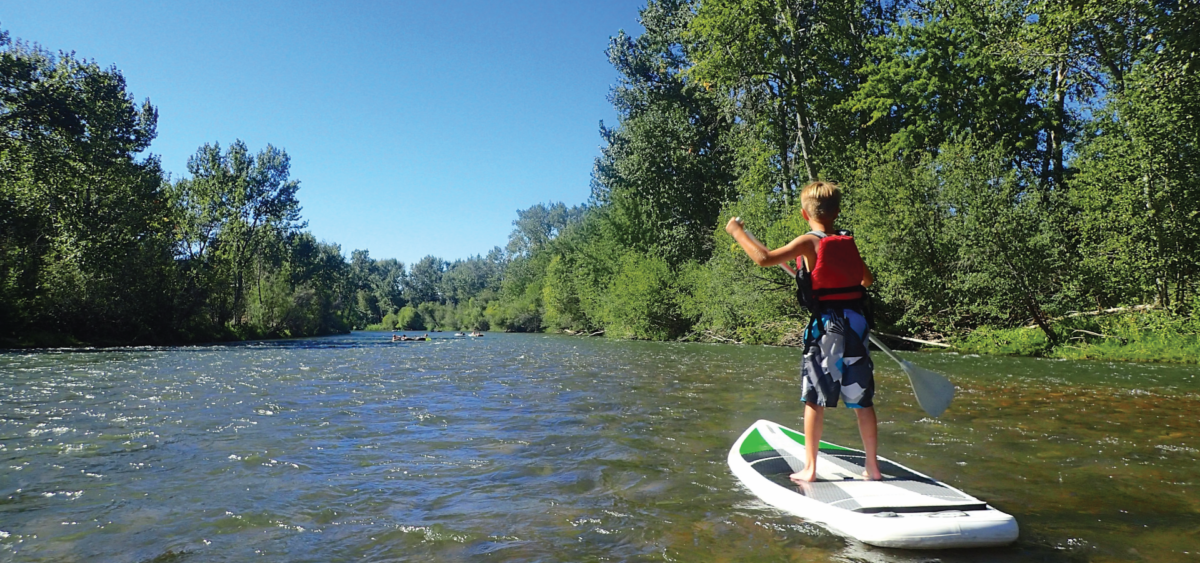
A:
(544, 448)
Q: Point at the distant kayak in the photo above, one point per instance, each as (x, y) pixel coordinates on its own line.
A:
(906, 509)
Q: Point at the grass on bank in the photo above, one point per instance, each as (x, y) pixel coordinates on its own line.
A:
(1141, 336)
(1134, 336)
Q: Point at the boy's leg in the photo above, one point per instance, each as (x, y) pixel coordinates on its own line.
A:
(868, 428)
(814, 422)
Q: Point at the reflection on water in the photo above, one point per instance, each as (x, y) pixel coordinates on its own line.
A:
(548, 448)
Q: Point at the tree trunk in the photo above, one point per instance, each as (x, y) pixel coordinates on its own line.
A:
(1027, 294)
(802, 141)
(787, 186)
(1058, 123)
(258, 282)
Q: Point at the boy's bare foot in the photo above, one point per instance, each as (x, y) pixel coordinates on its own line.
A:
(872, 474)
(806, 475)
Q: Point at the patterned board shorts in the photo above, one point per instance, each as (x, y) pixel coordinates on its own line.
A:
(838, 365)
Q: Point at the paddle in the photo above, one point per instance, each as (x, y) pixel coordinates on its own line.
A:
(933, 391)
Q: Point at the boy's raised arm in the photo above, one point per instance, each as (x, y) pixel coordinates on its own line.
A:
(760, 253)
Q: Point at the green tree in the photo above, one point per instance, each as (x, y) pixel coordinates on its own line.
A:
(538, 225)
(1073, 52)
(640, 302)
(379, 287)
(936, 76)
(83, 221)
(899, 214)
(787, 65)
(234, 207)
(323, 288)
(424, 280)
(465, 279)
(665, 171)
(1010, 259)
(407, 318)
(1135, 193)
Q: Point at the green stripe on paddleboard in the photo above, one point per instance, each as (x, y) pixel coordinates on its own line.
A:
(799, 438)
(754, 443)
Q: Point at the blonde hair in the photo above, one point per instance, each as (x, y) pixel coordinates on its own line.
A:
(821, 199)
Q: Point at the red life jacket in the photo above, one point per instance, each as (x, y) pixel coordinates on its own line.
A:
(834, 284)
(838, 273)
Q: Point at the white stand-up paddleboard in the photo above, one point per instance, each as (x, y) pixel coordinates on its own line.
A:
(906, 509)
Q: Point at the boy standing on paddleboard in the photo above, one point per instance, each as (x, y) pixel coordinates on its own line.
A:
(836, 362)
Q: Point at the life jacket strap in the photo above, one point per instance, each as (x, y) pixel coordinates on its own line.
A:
(836, 290)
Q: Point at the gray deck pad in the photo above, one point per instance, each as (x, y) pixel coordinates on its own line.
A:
(851, 492)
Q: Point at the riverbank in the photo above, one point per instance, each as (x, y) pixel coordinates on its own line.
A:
(50, 339)
(1132, 345)
(1132, 335)
(1146, 336)
(1150, 336)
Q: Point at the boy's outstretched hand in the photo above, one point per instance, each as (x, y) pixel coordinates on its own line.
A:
(734, 225)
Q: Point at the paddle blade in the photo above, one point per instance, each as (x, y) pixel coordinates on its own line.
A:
(934, 392)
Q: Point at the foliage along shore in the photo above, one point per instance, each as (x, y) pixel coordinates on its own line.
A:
(1128, 336)
(1004, 164)
(100, 246)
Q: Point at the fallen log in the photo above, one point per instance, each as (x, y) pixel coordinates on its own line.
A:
(916, 340)
(710, 334)
(1123, 341)
(1097, 313)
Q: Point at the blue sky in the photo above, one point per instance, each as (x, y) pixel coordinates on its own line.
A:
(414, 127)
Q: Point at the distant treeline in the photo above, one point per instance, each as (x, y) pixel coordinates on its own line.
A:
(98, 245)
(1006, 164)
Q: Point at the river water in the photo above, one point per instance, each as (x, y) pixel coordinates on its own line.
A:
(553, 448)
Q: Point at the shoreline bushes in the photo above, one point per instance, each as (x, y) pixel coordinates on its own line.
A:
(1004, 164)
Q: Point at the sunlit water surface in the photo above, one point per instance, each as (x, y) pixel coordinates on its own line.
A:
(553, 448)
